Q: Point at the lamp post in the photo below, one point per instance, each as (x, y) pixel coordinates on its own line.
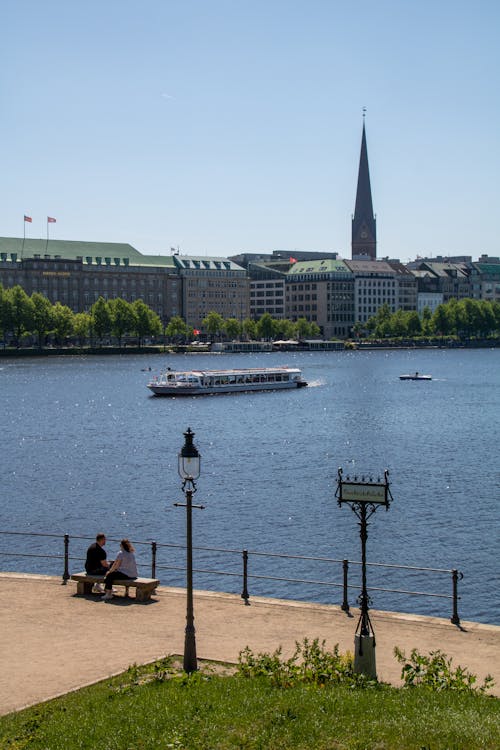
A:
(363, 498)
(189, 471)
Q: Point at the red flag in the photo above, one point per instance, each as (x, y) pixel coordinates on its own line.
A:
(293, 260)
(50, 220)
(27, 218)
(196, 332)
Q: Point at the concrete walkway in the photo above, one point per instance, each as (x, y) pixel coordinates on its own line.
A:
(54, 641)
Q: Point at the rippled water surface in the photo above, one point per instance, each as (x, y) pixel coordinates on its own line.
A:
(85, 447)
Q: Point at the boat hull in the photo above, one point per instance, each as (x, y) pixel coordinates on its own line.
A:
(186, 390)
(415, 377)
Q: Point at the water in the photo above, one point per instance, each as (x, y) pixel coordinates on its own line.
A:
(86, 448)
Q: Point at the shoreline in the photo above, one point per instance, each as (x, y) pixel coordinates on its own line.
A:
(14, 353)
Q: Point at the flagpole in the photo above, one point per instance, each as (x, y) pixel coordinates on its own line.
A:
(47, 243)
(24, 236)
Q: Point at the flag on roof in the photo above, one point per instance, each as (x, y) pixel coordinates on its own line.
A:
(50, 220)
(28, 218)
(293, 260)
(196, 332)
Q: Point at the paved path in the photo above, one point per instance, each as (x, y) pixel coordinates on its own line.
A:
(53, 641)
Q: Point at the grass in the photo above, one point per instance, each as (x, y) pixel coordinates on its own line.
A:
(161, 708)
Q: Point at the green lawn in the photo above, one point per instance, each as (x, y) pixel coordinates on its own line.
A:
(166, 709)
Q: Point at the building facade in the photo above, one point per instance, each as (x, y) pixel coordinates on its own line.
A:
(212, 284)
(78, 273)
(322, 292)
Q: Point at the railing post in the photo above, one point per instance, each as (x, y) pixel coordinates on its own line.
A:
(455, 576)
(66, 560)
(153, 559)
(244, 593)
(345, 567)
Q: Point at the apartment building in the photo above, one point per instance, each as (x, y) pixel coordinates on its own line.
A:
(322, 291)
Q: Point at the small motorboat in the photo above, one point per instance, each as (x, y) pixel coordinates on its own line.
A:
(415, 376)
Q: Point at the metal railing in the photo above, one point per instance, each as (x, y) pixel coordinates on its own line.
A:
(245, 559)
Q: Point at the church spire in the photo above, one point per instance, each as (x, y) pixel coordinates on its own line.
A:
(364, 225)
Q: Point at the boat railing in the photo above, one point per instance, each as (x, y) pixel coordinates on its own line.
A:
(269, 574)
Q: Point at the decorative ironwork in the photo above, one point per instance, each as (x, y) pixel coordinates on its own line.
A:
(363, 498)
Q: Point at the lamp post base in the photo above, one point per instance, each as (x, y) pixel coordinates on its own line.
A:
(364, 655)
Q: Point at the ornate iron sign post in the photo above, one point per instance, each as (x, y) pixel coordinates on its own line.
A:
(364, 498)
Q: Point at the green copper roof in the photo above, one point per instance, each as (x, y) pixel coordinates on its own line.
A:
(328, 265)
(492, 269)
(72, 250)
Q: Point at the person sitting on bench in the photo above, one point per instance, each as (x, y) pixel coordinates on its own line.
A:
(123, 567)
(96, 563)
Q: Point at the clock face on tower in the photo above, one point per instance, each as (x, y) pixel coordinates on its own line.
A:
(364, 234)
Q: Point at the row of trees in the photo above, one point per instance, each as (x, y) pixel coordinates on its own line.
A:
(24, 316)
(36, 316)
(267, 328)
(465, 318)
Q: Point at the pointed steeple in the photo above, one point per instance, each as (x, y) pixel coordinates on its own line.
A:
(364, 225)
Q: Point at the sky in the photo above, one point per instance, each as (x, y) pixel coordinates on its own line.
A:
(224, 126)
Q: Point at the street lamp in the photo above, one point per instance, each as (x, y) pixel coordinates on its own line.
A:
(189, 471)
(364, 498)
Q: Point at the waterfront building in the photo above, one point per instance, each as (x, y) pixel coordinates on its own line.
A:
(78, 273)
(406, 287)
(375, 284)
(364, 224)
(212, 284)
(485, 278)
(451, 280)
(322, 292)
(267, 291)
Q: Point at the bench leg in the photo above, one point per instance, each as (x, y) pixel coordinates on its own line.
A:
(143, 595)
(83, 588)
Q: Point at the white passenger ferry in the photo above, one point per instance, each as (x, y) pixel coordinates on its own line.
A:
(198, 382)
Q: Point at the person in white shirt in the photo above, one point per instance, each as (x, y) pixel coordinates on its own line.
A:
(123, 567)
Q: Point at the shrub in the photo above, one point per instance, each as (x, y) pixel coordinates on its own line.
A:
(311, 663)
(435, 672)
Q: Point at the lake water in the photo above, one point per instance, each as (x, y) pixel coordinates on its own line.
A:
(85, 447)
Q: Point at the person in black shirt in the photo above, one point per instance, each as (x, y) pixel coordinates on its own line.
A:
(96, 562)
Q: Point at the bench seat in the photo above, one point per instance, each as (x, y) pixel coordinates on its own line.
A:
(144, 587)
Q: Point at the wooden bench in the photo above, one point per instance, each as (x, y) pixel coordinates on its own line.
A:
(144, 587)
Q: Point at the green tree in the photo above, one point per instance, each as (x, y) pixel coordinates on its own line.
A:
(19, 312)
(426, 321)
(266, 328)
(42, 316)
(398, 323)
(82, 323)
(442, 323)
(487, 322)
(147, 322)
(285, 329)
(213, 323)
(305, 329)
(250, 329)
(177, 330)
(358, 329)
(495, 307)
(413, 323)
(101, 318)
(62, 322)
(122, 318)
(383, 321)
(233, 328)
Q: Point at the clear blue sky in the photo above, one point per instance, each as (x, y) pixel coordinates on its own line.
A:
(221, 126)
